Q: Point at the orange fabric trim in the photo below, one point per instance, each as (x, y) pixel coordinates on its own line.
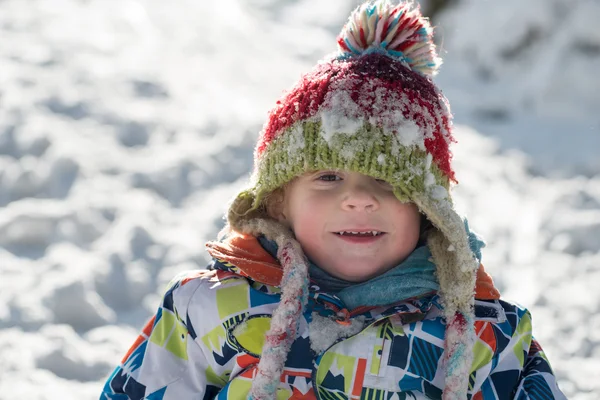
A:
(246, 360)
(142, 337)
(293, 372)
(359, 378)
(485, 332)
(246, 253)
(297, 395)
(484, 286)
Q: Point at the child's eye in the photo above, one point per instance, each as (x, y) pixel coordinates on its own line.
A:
(329, 178)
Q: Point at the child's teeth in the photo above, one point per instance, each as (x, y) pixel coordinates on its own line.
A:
(374, 233)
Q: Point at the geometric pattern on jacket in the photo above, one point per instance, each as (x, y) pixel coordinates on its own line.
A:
(205, 342)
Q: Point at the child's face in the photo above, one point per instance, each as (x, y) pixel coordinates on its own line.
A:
(319, 206)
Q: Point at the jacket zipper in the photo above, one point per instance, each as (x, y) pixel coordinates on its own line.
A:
(344, 319)
(313, 375)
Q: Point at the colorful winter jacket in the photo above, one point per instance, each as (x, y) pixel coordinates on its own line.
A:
(206, 338)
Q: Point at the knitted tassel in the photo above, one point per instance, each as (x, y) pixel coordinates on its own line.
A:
(458, 355)
(286, 317)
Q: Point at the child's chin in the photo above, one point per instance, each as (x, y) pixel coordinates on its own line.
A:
(357, 273)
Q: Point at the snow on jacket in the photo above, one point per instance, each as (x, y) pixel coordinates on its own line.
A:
(206, 338)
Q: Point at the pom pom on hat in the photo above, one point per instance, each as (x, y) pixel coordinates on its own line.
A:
(398, 30)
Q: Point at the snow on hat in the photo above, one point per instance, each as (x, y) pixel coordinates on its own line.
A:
(371, 108)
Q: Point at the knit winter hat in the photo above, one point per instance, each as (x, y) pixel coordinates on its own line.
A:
(371, 108)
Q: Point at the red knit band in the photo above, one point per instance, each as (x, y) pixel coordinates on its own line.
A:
(359, 77)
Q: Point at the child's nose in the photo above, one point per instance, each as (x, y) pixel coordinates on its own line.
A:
(360, 198)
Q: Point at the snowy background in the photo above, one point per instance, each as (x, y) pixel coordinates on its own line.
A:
(126, 126)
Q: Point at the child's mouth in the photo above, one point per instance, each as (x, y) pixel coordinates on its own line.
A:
(361, 237)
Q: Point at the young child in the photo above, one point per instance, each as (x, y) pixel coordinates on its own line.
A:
(345, 271)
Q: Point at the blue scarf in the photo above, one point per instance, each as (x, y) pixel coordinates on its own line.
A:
(413, 277)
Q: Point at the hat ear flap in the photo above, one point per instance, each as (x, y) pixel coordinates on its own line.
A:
(455, 261)
(456, 269)
(456, 293)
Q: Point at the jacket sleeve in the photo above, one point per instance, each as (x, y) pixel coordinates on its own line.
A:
(537, 379)
(165, 361)
(519, 369)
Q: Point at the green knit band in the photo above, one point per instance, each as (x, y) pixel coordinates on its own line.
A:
(368, 150)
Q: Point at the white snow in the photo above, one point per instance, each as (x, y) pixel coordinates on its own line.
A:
(126, 127)
(528, 75)
(340, 115)
(334, 123)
